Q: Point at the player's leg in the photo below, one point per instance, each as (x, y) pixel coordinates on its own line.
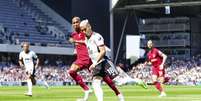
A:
(45, 84)
(111, 84)
(155, 75)
(156, 83)
(109, 71)
(137, 81)
(73, 73)
(166, 79)
(29, 83)
(126, 79)
(96, 84)
(161, 80)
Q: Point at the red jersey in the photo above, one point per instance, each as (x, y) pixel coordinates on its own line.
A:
(154, 57)
(81, 48)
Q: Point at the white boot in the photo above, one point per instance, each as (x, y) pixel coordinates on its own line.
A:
(163, 94)
(121, 97)
(86, 95)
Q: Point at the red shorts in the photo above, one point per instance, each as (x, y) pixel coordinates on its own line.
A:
(159, 73)
(83, 64)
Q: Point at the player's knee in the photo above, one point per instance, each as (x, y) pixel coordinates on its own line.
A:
(97, 78)
(154, 78)
(96, 83)
(71, 72)
(161, 79)
(155, 82)
(74, 67)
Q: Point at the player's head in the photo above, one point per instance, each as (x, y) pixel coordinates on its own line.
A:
(76, 23)
(86, 27)
(25, 46)
(150, 44)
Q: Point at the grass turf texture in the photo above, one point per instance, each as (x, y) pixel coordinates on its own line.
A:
(71, 93)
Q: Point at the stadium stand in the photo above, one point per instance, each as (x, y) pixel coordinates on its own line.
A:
(180, 71)
(20, 21)
(176, 69)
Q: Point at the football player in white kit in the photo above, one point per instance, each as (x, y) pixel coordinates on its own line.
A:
(123, 78)
(26, 61)
(101, 67)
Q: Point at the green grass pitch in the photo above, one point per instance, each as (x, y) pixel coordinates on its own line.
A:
(71, 93)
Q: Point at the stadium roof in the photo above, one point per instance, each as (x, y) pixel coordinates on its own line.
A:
(178, 7)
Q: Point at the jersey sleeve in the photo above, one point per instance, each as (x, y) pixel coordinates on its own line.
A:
(157, 51)
(20, 56)
(99, 40)
(34, 55)
(72, 34)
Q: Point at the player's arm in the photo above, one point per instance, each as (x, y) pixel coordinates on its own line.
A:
(37, 59)
(72, 40)
(99, 57)
(101, 53)
(164, 58)
(83, 41)
(37, 63)
(21, 61)
(146, 59)
(99, 41)
(147, 63)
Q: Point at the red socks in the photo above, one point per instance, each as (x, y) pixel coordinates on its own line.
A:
(158, 86)
(78, 79)
(166, 79)
(111, 84)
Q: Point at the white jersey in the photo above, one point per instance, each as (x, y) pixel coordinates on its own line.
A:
(93, 43)
(108, 53)
(28, 59)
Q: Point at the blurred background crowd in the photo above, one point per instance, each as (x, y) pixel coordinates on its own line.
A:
(181, 72)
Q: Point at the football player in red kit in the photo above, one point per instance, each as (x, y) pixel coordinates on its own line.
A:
(83, 61)
(157, 59)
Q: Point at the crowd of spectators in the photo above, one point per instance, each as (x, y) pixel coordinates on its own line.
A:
(14, 73)
(181, 72)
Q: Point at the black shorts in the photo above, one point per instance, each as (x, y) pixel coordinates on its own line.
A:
(104, 68)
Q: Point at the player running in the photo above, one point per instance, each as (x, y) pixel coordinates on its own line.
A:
(123, 78)
(26, 61)
(157, 59)
(83, 61)
(42, 78)
(96, 48)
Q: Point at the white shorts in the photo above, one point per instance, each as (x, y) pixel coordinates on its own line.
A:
(29, 70)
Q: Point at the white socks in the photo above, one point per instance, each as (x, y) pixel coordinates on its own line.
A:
(29, 84)
(45, 84)
(97, 89)
(134, 81)
(86, 94)
(121, 97)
